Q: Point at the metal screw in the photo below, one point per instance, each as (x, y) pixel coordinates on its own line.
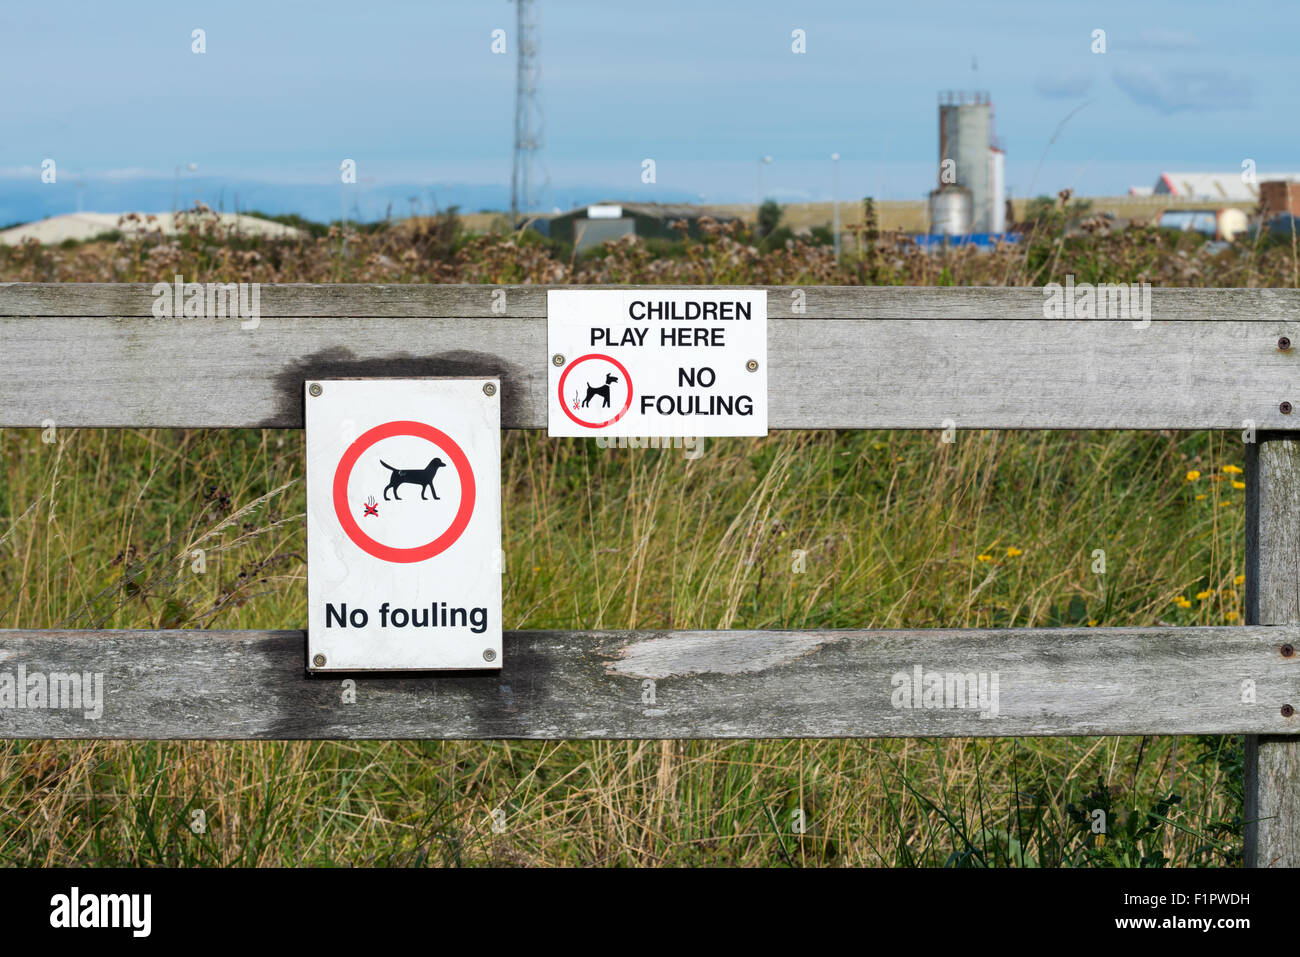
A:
(1287, 711)
(489, 654)
(752, 365)
(489, 389)
(318, 661)
(314, 388)
(1284, 343)
(1285, 408)
(1287, 651)
(557, 360)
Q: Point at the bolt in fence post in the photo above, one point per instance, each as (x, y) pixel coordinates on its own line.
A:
(1272, 828)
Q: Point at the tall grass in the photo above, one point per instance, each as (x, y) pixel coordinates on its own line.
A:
(98, 529)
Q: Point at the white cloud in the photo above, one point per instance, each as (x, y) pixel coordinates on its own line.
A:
(1178, 91)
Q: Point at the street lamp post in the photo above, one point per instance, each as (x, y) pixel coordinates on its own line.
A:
(835, 203)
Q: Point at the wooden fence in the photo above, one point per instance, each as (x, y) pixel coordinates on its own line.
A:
(92, 355)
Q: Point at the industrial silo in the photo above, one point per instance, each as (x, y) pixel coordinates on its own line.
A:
(970, 158)
(997, 190)
(950, 211)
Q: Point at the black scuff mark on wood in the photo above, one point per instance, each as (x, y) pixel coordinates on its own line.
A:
(339, 362)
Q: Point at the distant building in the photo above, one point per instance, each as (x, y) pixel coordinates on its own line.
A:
(1214, 187)
(589, 226)
(1279, 196)
(971, 197)
(86, 226)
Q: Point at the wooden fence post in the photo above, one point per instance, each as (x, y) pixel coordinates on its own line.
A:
(1272, 764)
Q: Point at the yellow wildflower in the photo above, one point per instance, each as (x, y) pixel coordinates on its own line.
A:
(1193, 475)
(1239, 580)
(1232, 470)
(1182, 602)
(1202, 595)
(1238, 485)
(983, 558)
(1202, 497)
(1231, 616)
(1012, 551)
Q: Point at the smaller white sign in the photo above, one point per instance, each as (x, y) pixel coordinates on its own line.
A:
(657, 362)
(403, 524)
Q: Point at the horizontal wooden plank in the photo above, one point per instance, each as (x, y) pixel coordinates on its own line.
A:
(845, 373)
(458, 301)
(734, 684)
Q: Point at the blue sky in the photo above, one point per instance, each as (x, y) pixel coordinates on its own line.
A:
(412, 92)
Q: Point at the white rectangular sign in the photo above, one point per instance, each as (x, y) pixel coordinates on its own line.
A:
(657, 362)
(403, 524)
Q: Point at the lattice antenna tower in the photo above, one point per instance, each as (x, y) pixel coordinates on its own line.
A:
(528, 176)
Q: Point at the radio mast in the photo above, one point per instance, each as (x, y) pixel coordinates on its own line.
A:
(527, 174)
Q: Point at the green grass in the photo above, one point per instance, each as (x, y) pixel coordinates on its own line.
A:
(99, 528)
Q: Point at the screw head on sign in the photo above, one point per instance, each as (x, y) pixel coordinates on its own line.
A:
(557, 360)
(489, 654)
(1287, 711)
(1285, 408)
(1284, 343)
(752, 365)
(314, 388)
(318, 661)
(489, 389)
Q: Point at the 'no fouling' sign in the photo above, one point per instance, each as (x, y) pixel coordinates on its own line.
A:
(657, 362)
(403, 524)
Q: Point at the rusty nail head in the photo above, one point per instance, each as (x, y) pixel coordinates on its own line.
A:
(318, 661)
(557, 360)
(1287, 711)
(1285, 408)
(1287, 651)
(489, 389)
(1284, 343)
(314, 388)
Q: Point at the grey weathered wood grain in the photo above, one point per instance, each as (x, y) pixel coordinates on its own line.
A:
(844, 373)
(1273, 598)
(210, 684)
(351, 300)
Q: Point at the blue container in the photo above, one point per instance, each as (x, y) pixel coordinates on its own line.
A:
(987, 240)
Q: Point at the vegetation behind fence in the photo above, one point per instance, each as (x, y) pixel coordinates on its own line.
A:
(900, 528)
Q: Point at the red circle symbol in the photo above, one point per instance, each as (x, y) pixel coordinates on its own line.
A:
(626, 378)
(387, 552)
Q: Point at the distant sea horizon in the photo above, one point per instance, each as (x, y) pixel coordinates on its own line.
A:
(24, 201)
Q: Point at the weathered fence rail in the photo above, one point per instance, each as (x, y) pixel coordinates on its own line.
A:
(858, 357)
(840, 357)
(703, 684)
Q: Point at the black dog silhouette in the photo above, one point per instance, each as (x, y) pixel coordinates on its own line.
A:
(600, 390)
(421, 477)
